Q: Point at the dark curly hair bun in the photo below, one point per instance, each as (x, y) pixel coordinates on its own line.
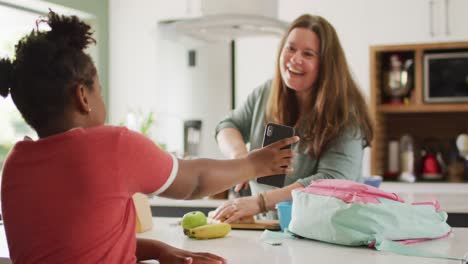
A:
(69, 30)
(48, 66)
(6, 76)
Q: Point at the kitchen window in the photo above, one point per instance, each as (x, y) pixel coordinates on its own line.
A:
(14, 24)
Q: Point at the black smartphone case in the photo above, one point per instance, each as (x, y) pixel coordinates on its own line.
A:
(273, 133)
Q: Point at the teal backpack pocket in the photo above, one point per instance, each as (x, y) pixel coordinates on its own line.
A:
(354, 214)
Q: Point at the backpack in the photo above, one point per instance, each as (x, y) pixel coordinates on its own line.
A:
(355, 214)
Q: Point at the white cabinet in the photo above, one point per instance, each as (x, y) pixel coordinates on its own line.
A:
(255, 63)
(179, 9)
(398, 21)
(388, 21)
(457, 19)
(416, 21)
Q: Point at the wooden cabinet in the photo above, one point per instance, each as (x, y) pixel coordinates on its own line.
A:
(423, 121)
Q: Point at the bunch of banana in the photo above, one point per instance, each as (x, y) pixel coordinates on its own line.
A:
(210, 231)
(195, 225)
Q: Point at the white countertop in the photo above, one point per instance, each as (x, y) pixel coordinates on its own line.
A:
(244, 247)
(425, 187)
(453, 197)
(4, 254)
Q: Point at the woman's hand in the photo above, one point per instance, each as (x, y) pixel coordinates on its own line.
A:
(148, 249)
(236, 209)
(273, 159)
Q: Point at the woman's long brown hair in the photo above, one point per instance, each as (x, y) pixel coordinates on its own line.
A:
(335, 103)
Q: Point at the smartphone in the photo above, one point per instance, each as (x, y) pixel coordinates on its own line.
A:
(274, 132)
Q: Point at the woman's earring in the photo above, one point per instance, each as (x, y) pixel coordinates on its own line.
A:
(89, 110)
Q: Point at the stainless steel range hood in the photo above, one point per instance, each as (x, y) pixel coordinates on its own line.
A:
(226, 20)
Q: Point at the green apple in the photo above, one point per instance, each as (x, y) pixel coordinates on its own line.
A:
(192, 220)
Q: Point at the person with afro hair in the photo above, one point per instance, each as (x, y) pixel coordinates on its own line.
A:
(67, 197)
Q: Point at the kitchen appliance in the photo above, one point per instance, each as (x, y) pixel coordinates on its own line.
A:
(398, 79)
(432, 164)
(192, 136)
(226, 20)
(431, 169)
(446, 77)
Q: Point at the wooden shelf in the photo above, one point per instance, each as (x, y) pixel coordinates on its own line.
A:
(441, 122)
(426, 108)
(417, 46)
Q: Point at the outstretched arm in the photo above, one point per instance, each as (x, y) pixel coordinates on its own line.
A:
(232, 145)
(200, 177)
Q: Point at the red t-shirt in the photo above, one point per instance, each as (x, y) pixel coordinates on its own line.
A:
(67, 198)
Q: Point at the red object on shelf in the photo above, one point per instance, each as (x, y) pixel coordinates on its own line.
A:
(395, 102)
(392, 176)
(431, 169)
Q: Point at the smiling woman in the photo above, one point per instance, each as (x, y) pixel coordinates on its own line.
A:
(313, 91)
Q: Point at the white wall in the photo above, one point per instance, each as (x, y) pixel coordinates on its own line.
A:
(186, 92)
(150, 73)
(132, 56)
(255, 63)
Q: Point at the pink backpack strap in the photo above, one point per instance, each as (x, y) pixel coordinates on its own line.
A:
(434, 203)
(412, 241)
(349, 191)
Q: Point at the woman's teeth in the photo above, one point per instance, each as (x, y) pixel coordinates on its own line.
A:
(295, 71)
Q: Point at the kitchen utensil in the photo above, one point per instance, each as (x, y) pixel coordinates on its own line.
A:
(462, 145)
(397, 81)
(407, 159)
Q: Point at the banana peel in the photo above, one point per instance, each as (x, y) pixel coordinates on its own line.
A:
(210, 231)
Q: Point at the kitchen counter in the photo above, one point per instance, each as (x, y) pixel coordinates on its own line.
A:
(453, 197)
(244, 247)
(4, 255)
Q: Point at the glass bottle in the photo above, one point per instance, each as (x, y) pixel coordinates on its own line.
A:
(407, 159)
